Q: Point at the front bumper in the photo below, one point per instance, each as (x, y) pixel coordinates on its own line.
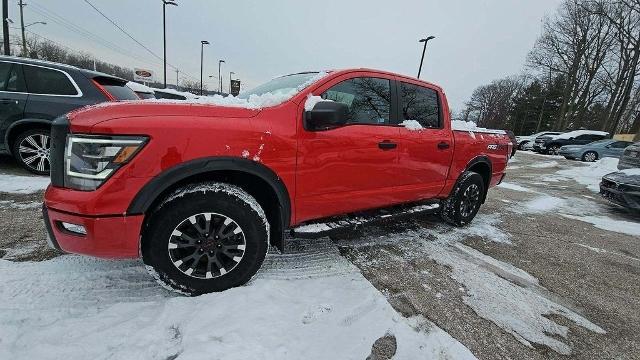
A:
(621, 194)
(111, 237)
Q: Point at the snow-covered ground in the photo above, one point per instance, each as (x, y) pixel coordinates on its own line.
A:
(20, 184)
(314, 305)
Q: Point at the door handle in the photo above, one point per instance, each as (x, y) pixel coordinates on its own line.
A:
(8, 101)
(443, 145)
(387, 145)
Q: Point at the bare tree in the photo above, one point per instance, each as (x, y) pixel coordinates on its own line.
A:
(490, 104)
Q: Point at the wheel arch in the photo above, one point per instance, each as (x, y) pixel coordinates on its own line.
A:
(258, 180)
(20, 126)
(482, 165)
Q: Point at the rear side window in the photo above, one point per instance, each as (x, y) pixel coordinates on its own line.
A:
(368, 99)
(48, 81)
(166, 95)
(11, 77)
(420, 104)
(620, 144)
(117, 88)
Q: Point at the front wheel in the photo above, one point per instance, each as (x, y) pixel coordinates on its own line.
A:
(31, 149)
(465, 199)
(553, 150)
(206, 237)
(590, 156)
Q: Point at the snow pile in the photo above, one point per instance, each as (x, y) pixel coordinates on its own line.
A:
(544, 203)
(609, 224)
(575, 133)
(412, 125)
(312, 307)
(515, 187)
(543, 165)
(18, 184)
(471, 126)
(592, 174)
(312, 100)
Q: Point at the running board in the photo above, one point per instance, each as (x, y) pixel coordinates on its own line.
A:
(320, 228)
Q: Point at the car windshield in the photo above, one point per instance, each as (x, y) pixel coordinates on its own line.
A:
(282, 85)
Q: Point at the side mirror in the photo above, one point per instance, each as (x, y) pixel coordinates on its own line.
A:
(326, 115)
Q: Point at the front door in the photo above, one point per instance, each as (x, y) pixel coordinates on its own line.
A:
(355, 166)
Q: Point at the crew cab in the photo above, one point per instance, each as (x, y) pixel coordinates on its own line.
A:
(201, 190)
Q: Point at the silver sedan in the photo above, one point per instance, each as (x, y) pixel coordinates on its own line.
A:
(595, 150)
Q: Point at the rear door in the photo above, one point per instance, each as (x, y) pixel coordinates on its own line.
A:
(352, 167)
(426, 144)
(615, 149)
(13, 97)
(52, 92)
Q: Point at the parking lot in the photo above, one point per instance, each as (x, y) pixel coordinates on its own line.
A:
(547, 269)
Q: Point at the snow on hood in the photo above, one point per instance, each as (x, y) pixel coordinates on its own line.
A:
(253, 101)
(575, 133)
(471, 126)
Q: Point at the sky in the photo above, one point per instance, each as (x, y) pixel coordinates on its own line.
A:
(476, 40)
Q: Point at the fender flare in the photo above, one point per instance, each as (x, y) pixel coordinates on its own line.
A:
(20, 123)
(159, 184)
(482, 159)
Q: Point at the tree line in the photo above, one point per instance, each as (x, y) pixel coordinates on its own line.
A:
(45, 49)
(581, 73)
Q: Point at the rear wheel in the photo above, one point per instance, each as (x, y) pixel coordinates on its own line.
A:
(465, 199)
(31, 149)
(522, 145)
(205, 238)
(553, 149)
(590, 156)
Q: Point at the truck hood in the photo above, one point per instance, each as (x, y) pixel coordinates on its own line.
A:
(85, 118)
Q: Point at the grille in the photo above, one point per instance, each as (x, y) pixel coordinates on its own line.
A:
(59, 131)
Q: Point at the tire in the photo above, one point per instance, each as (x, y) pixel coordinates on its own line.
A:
(453, 209)
(522, 144)
(590, 156)
(178, 234)
(553, 150)
(31, 150)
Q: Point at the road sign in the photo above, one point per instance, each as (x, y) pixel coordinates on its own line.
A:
(143, 75)
(235, 87)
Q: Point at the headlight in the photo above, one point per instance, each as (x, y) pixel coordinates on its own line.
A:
(90, 160)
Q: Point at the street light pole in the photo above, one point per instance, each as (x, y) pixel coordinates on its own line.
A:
(424, 49)
(202, 44)
(24, 38)
(164, 35)
(219, 74)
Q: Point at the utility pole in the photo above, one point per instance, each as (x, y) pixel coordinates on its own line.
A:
(424, 49)
(5, 26)
(24, 38)
(220, 74)
(164, 35)
(202, 44)
(177, 87)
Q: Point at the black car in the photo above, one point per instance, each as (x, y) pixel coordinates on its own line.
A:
(552, 144)
(34, 92)
(630, 157)
(622, 188)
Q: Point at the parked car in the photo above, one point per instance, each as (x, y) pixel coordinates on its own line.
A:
(172, 94)
(630, 157)
(526, 142)
(143, 91)
(622, 188)
(199, 191)
(595, 150)
(552, 144)
(34, 92)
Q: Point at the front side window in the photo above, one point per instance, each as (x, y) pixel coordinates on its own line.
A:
(420, 104)
(368, 99)
(48, 81)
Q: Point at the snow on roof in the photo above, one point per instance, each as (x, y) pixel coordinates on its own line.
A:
(471, 126)
(575, 133)
(187, 95)
(137, 87)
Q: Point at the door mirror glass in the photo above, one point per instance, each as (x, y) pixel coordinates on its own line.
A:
(326, 115)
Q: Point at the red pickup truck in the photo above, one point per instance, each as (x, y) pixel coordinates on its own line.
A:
(201, 189)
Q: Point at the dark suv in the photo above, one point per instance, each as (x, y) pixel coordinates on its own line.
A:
(34, 92)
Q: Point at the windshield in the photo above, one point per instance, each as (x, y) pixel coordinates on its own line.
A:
(282, 85)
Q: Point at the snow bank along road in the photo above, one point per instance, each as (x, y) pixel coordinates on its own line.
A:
(547, 270)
